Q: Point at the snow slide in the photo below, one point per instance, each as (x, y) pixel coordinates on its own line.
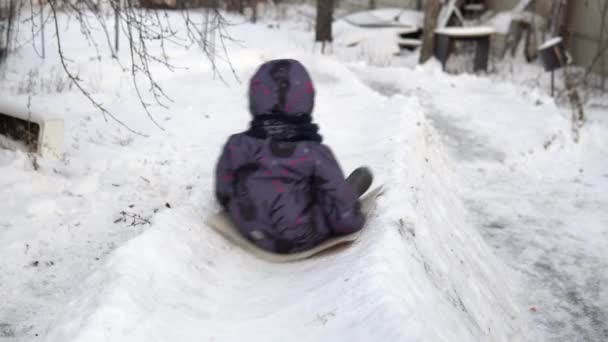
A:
(420, 272)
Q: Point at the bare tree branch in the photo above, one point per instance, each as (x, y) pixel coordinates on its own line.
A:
(76, 80)
(143, 29)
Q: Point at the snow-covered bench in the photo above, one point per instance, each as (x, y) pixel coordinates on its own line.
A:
(42, 134)
(480, 34)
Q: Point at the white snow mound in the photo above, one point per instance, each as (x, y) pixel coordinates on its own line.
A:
(419, 273)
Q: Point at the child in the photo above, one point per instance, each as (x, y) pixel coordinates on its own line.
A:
(279, 184)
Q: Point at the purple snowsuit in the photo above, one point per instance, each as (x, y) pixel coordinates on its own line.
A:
(280, 185)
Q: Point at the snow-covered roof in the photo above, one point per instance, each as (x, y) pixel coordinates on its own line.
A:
(20, 110)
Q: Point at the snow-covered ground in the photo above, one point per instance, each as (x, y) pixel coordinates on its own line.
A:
(470, 183)
(537, 198)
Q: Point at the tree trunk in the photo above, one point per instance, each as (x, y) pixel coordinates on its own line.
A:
(372, 4)
(325, 10)
(602, 46)
(254, 10)
(558, 20)
(234, 6)
(6, 28)
(431, 15)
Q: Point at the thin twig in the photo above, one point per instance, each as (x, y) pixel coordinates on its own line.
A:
(76, 81)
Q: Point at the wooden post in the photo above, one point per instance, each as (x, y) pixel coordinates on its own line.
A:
(254, 11)
(441, 48)
(482, 52)
(323, 32)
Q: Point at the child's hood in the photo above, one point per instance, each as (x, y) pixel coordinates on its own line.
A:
(281, 87)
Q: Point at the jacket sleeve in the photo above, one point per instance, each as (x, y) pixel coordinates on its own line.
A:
(335, 196)
(231, 158)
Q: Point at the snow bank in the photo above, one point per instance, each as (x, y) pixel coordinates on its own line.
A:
(419, 272)
(534, 195)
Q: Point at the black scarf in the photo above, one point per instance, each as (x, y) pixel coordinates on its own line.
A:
(281, 127)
